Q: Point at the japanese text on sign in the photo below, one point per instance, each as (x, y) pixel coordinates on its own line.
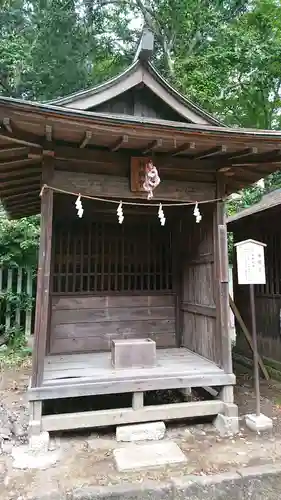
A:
(250, 263)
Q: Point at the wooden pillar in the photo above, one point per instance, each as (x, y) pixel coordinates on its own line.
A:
(221, 278)
(43, 276)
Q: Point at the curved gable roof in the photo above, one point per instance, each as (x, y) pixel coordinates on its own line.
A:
(138, 73)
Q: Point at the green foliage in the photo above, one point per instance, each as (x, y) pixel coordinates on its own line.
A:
(249, 196)
(225, 54)
(15, 337)
(15, 300)
(19, 242)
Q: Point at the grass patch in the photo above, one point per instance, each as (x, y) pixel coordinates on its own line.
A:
(15, 357)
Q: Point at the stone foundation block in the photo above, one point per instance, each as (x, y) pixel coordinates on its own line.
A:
(140, 456)
(39, 443)
(226, 426)
(128, 353)
(258, 423)
(151, 431)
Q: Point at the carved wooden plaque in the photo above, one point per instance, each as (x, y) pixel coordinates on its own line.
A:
(137, 172)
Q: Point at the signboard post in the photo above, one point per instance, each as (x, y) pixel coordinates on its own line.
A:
(251, 271)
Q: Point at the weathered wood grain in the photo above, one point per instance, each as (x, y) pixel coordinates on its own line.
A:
(94, 302)
(129, 313)
(113, 186)
(44, 279)
(90, 323)
(103, 418)
(198, 307)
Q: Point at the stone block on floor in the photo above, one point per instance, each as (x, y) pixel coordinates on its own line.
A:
(151, 431)
(141, 456)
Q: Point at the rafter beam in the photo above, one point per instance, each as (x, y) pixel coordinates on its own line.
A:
(120, 141)
(27, 200)
(21, 190)
(152, 146)
(13, 152)
(6, 165)
(208, 153)
(258, 164)
(241, 154)
(49, 133)
(21, 205)
(18, 173)
(15, 182)
(183, 148)
(87, 138)
(14, 140)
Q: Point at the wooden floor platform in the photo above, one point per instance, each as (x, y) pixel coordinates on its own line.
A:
(90, 374)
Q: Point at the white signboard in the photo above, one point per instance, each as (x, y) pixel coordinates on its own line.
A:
(250, 262)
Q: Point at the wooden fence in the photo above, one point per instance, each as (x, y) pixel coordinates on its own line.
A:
(16, 292)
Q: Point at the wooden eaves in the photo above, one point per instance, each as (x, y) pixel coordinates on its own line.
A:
(185, 151)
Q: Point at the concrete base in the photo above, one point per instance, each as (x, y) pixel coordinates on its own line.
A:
(259, 423)
(226, 425)
(148, 455)
(39, 443)
(151, 431)
(24, 459)
(35, 455)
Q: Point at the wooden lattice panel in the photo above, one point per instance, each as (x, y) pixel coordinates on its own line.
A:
(107, 257)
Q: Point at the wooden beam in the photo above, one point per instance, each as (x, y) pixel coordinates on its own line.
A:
(105, 418)
(221, 276)
(43, 276)
(241, 154)
(245, 174)
(14, 140)
(87, 138)
(117, 144)
(122, 157)
(4, 165)
(16, 182)
(151, 146)
(209, 153)
(25, 188)
(209, 311)
(28, 191)
(25, 198)
(7, 124)
(49, 133)
(20, 173)
(117, 187)
(23, 205)
(146, 45)
(276, 164)
(13, 152)
(93, 387)
(183, 148)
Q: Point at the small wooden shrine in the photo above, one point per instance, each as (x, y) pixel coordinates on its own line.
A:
(160, 274)
(261, 221)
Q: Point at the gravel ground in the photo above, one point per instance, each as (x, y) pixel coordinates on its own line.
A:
(86, 458)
